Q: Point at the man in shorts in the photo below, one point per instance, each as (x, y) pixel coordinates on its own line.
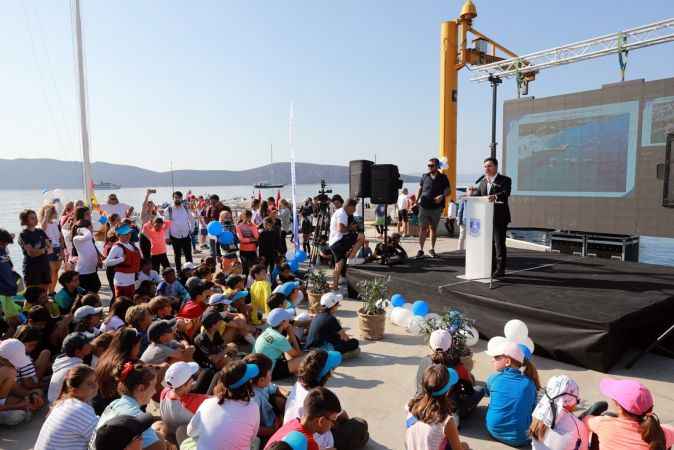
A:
(343, 238)
(433, 191)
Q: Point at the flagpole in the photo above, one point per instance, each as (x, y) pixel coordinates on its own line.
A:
(291, 118)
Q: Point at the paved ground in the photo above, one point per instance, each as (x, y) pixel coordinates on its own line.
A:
(378, 384)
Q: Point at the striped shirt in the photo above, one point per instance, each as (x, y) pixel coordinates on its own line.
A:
(27, 371)
(69, 425)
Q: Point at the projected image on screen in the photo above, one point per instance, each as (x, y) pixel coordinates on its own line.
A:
(580, 152)
(658, 121)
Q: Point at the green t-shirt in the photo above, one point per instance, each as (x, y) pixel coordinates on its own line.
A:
(272, 344)
(9, 307)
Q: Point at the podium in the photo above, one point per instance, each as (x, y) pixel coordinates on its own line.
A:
(479, 223)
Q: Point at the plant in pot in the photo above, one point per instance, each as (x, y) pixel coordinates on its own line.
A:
(317, 285)
(372, 315)
(463, 331)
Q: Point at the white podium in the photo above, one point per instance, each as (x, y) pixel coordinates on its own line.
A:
(479, 223)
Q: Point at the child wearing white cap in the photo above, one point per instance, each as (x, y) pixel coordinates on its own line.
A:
(513, 394)
(16, 404)
(327, 333)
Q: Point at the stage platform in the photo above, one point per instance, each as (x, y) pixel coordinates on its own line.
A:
(584, 311)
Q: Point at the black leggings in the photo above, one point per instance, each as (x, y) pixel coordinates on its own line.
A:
(247, 261)
(160, 260)
(90, 282)
(145, 247)
(346, 346)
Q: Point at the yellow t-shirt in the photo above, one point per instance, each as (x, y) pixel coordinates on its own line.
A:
(259, 293)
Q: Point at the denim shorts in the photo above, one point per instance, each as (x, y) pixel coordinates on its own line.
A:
(56, 255)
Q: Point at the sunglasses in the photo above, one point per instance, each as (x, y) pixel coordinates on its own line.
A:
(431, 165)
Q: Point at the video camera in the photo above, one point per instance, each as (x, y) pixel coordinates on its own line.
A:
(322, 197)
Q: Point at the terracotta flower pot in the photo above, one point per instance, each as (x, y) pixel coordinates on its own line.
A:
(314, 301)
(371, 326)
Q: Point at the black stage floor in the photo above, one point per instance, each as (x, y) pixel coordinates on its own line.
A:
(585, 311)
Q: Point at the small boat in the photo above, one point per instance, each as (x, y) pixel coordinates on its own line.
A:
(267, 185)
(107, 186)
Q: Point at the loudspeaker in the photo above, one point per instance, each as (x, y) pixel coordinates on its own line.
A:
(360, 183)
(385, 183)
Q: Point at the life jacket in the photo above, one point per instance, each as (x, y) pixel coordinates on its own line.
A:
(131, 262)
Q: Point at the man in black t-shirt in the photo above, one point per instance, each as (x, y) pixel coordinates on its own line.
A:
(433, 191)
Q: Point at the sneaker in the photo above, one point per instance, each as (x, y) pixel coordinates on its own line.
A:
(352, 354)
(432, 253)
(420, 254)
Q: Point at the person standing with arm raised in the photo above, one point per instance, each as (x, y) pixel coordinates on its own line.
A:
(433, 191)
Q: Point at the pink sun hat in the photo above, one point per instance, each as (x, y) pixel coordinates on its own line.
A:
(633, 396)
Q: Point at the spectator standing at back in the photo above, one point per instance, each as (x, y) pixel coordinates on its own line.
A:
(402, 204)
(213, 214)
(115, 207)
(433, 191)
(181, 224)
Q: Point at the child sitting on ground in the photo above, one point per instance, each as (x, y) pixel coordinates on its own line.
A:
(513, 394)
(160, 307)
(147, 273)
(429, 420)
(163, 346)
(327, 333)
(70, 281)
(210, 347)
(36, 295)
(279, 343)
(466, 395)
(171, 287)
(270, 397)
(199, 292)
(260, 291)
(87, 319)
(234, 324)
(314, 371)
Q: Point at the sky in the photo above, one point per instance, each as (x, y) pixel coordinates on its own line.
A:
(208, 84)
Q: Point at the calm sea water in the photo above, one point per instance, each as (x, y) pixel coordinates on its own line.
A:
(652, 250)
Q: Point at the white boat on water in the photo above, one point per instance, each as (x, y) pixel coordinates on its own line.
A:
(107, 186)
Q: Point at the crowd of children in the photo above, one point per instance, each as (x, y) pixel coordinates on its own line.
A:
(186, 357)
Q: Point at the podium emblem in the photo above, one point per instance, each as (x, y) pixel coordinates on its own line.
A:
(474, 227)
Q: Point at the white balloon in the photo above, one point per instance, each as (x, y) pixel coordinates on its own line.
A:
(408, 306)
(400, 316)
(494, 343)
(416, 325)
(433, 319)
(472, 337)
(516, 329)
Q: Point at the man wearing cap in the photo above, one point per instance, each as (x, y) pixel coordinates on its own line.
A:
(76, 347)
(434, 189)
(163, 346)
(180, 231)
(115, 207)
(326, 332)
(123, 432)
(279, 343)
(125, 257)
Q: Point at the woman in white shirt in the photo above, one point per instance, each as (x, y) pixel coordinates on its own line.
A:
(88, 257)
(71, 421)
(49, 224)
(230, 420)
(554, 426)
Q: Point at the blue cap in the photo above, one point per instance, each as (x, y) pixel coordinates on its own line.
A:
(334, 359)
(122, 230)
(525, 351)
(252, 370)
(239, 295)
(296, 440)
(278, 315)
(287, 288)
(453, 379)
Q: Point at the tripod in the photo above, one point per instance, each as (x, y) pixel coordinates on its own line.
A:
(320, 237)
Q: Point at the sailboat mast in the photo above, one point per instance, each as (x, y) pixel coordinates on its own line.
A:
(84, 126)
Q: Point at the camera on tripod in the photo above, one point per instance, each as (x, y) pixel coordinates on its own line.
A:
(322, 198)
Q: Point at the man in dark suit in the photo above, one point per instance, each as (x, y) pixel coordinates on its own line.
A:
(497, 187)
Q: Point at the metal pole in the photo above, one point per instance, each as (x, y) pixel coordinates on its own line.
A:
(495, 81)
(84, 129)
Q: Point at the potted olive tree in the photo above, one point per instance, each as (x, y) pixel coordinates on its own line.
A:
(372, 316)
(317, 285)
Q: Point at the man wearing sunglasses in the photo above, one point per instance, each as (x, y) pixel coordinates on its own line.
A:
(433, 191)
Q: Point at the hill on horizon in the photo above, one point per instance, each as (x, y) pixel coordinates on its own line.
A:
(52, 173)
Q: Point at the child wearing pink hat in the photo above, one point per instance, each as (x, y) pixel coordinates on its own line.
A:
(636, 427)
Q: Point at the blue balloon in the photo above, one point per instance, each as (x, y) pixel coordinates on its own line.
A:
(300, 256)
(214, 228)
(420, 308)
(294, 265)
(226, 238)
(397, 300)
(103, 220)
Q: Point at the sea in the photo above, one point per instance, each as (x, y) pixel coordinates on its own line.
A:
(652, 250)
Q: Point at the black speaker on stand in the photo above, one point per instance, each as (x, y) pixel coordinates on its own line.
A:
(385, 185)
(360, 183)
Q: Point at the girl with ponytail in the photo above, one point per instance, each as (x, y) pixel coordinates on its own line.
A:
(466, 395)
(71, 421)
(636, 427)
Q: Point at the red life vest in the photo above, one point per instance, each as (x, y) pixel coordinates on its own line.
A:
(131, 262)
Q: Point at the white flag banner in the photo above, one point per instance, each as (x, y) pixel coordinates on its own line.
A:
(293, 181)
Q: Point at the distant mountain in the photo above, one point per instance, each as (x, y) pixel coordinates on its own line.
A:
(52, 173)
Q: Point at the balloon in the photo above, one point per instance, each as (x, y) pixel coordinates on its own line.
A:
(226, 238)
(408, 306)
(397, 300)
(472, 336)
(300, 256)
(515, 330)
(420, 308)
(433, 319)
(495, 342)
(401, 317)
(416, 325)
(214, 228)
(103, 220)
(294, 265)
(528, 343)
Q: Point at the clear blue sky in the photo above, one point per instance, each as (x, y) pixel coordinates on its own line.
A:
(208, 84)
